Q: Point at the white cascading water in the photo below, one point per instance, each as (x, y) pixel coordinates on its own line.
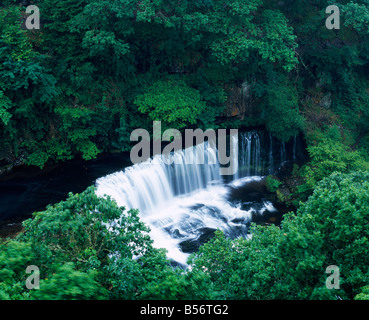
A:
(271, 161)
(250, 154)
(179, 200)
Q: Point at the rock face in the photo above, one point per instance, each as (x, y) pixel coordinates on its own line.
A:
(239, 101)
(326, 101)
(10, 229)
(5, 169)
(8, 163)
(190, 246)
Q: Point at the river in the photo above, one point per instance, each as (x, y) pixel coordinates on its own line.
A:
(183, 204)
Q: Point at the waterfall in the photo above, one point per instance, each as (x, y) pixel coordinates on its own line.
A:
(283, 153)
(138, 187)
(179, 198)
(261, 154)
(235, 144)
(271, 159)
(193, 168)
(151, 184)
(250, 154)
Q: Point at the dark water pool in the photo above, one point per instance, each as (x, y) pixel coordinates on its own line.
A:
(27, 190)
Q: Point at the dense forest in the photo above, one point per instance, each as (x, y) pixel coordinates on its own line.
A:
(96, 70)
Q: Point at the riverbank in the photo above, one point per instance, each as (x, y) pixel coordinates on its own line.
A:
(11, 228)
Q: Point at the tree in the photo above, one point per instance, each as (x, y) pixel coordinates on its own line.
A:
(330, 156)
(87, 247)
(66, 283)
(290, 262)
(14, 258)
(172, 102)
(95, 70)
(364, 295)
(281, 110)
(94, 234)
(26, 87)
(337, 214)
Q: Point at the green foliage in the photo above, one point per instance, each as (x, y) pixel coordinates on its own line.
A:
(172, 102)
(69, 284)
(290, 262)
(14, 258)
(26, 87)
(219, 258)
(357, 16)
(332, 156)
(272, 183)
(99, 70)
(97, 237)
(364, 295)
(180, 285)
(5, 104)
(240, 269)
(88, 248)
(46, 151)
(77, 124)
(86, 222)
(79, 80)
(272, 39)
(281, 112)
(14, 43)
(332, 225)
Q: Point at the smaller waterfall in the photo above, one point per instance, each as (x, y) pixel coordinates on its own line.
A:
(271, 158)
(261, 154)
(283, 153)
(235, 158)
(250, 154)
